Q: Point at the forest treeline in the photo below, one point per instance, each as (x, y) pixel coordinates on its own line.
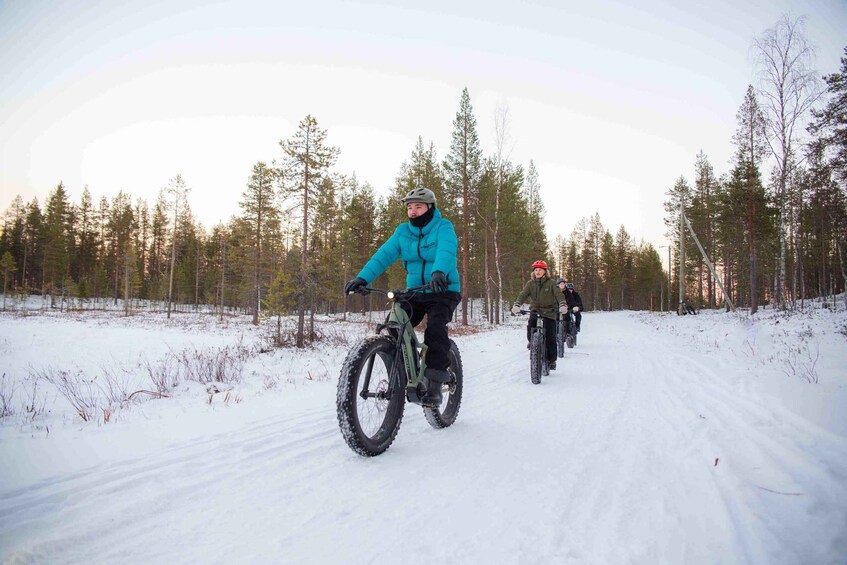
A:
(775, 224)
(304, 228)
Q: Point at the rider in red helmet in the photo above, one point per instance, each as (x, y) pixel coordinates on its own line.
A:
(545, 300)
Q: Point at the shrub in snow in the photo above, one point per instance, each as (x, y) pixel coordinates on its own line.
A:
(7, 392)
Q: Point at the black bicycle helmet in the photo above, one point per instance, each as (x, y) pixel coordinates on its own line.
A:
(560, 281)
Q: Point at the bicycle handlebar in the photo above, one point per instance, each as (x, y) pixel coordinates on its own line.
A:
(558, 314)
(395, 292)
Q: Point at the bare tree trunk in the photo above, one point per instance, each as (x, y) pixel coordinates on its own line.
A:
(466, 248)
(780, 273)
(223, 277)
(301, 298)
(489, 311)
(258, 267)
(197, 279)
(843, 272)
(173, 257)
(754, 302)
(501, 127)
(126, 286)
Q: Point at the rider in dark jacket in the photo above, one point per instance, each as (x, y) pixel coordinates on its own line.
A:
(574, 302)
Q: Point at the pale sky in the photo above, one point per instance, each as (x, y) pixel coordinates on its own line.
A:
(611, 102)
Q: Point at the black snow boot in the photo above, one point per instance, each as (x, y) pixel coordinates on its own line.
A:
(435, 379)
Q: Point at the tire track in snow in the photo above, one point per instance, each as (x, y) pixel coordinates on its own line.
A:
(608, 460)
(158, 481)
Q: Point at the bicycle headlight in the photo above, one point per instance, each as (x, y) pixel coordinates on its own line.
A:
(390, 295)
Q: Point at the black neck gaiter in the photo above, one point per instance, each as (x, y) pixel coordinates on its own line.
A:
(424, 219)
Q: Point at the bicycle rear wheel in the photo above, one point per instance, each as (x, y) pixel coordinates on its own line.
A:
(446, 414)
(369, 411)
(536, 357)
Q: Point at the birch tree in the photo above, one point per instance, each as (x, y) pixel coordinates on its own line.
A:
(788, 88)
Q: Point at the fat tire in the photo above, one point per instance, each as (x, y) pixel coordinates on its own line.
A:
(560, 339)
(536, 357)
(382, 349)
(444, 415)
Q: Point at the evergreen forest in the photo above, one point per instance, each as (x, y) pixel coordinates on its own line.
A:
(773, 225)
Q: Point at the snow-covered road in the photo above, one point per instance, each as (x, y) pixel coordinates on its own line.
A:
(636, 450)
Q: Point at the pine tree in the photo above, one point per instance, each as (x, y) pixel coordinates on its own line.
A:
(830, 127)
(13, 240)
(624, 260)
(680, 194)
(157, 252)
(119, 231)
(86, 251)
(325, 245)
(177, 193)
(58, 240)
(359, 230)
(260, 212)
(701, 215)
(609, 277)
(306, 163)
(8, 268)
(34, 238)
(750, 140)
(463, 168)
(141, 238)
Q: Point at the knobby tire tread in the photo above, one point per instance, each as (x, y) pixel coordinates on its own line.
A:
(446, 414)
(348, 389)
(536, 356)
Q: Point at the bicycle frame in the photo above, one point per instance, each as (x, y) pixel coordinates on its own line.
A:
(539, 324)
(408, 350)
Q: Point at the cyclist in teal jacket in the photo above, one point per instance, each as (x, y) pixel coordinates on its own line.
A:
(427, 245)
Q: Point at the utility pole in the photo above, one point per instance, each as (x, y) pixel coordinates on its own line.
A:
(681, 255)
(709, 264)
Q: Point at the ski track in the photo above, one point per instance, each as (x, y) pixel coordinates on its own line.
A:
(620, 469)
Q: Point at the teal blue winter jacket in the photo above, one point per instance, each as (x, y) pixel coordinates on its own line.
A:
(423, 250)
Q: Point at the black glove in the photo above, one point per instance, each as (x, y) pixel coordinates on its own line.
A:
(438, 282)
(354, 285)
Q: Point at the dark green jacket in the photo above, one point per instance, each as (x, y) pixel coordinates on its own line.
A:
(544, 296)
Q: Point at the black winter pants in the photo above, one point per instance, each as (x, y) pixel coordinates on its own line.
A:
(438, 307)
(549, 330)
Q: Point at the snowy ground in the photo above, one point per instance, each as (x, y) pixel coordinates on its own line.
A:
(660, 439)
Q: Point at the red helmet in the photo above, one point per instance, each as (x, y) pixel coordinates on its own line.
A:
(540, 265)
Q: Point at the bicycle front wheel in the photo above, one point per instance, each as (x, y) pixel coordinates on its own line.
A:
(560, 339)
(370, 408)
(536, 357)
(446, 414)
